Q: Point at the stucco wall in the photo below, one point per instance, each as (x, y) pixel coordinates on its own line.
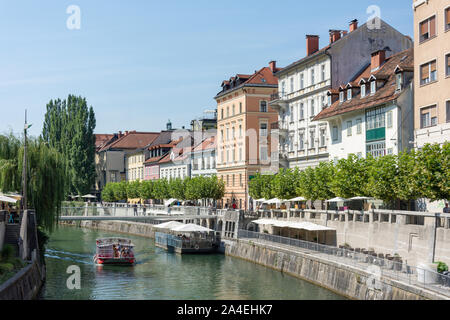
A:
(25, 285)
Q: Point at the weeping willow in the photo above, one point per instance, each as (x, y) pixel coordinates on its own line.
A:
(45, 176)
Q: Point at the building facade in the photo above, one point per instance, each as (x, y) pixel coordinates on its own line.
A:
(432, 71)
(374, 113)
(243, 131)
(304, 86)
(203, 158)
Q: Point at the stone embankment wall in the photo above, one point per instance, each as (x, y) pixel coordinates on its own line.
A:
(25, 285)
(344, 280)
(132, 228)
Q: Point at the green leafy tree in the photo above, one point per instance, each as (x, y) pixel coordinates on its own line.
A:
(351, 177)
(120, 191)
(161, 189)
(177, 188)
(261, 187)
(69, 128)
(108, 192)
(146, 190)
(323, 175)
(133, 189)
(383, 174)
(284, 184)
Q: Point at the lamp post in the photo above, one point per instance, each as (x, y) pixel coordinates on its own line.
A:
(25, 163)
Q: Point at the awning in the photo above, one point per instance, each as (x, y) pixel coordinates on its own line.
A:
(7, 199)
(89, 196)
(337, 200)
(190, 228)
(261, 200)
(361, 198)
(293, 225)
(168, 225)
(169, 202)
(297, 199)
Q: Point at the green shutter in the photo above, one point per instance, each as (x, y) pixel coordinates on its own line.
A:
(376, 134)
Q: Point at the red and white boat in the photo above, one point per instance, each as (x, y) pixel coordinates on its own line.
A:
(114, 251)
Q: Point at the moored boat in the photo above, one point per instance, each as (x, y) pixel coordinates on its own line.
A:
(118, 251)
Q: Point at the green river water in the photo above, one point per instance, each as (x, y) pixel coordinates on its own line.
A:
(162, 275)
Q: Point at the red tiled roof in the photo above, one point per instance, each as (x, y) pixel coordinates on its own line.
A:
(133, 140)
(207, 144)
(102, 139)
(386, 72)
(153, 160)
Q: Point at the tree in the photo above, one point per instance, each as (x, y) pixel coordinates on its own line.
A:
(284, 184)
(133, 189)
(260, 187)
(108, 192)
(383, 174)
(323, 175)
(161, 189)
(350, 177)
(45, 176)
(177, 188)
(69, 128)
(120, 191)
(146, 190)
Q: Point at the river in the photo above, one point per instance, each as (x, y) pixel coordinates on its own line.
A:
(162, 275)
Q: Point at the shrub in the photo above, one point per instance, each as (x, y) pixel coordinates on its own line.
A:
(7, 252)
(441, 266)
(6, 267)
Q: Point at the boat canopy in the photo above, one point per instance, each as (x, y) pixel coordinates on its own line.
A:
(293, 225)
(168, 225)
(190, 228)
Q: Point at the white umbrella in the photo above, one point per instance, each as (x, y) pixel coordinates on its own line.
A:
(297, 199)
(168, 225)
(337, 200)
(190, 228)
(89, 196)
(7, 199)
(169, 202)
(261, 200)
(361, 198)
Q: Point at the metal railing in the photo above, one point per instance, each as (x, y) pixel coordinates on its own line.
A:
(392, 268)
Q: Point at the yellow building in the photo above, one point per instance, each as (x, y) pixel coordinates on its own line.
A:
(432, 71)
(244, 144)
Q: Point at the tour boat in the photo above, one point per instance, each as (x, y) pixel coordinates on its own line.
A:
(114, 251)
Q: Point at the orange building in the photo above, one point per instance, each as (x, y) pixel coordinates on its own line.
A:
(244, 145)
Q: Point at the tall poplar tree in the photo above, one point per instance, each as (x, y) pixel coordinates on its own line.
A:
(69, 128)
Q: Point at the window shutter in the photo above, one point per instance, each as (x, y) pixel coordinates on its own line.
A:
(432, 26)
(424, 72)
(447, 16)
(423, 28)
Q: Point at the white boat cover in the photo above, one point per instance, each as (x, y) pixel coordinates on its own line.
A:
(293, 225)
(190, 228)
(7, 199)
(168, 225)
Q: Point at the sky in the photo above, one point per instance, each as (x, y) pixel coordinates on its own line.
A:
(140, 63)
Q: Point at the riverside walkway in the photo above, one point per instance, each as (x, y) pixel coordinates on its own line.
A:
(400, 272)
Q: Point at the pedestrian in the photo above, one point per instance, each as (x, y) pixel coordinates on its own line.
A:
(446, 209)
(135, 209)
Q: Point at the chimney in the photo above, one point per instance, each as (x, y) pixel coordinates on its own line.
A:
(344, 33)
(353, 25)
(120, 134)
(312, 44)
(378, 58)
(335, 35)
(273, 66)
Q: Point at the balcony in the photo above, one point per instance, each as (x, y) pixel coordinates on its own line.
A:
(277, 101)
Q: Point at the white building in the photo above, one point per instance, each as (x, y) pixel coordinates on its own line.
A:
(304, 85)
(373, 114)
(203, 158)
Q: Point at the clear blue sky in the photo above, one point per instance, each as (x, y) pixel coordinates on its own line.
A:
(142, 62)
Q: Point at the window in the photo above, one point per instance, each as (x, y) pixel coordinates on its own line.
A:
(373, 87)
(240, 131)
(301, 141)
(427, 29)
(302, 111)
(291, 115)
(228, 112)
(322, 137)
(358, 126)
(349, 94)
(375, 118)
(302, 81)
(323, 72)
(263, 129)
(447, 19)
(329, 100)
(389, 119)
(291, 143)
(448, 111)
(447, 64)
(349, 128)
(313, 111)
(311, 138)
(363, 90)
(428, 117)
(324, 102)
(376, 149)
(263, 153)
(292, 84)
(233, 154)
(313, 77)
(428, 72)
(232, 133)
(263, 106)
(228, 134)
(221, 135)
(341, 96)
(233, 110)
(240, 107)
(228, 156)
(335, 133)
(283, 88)
(240, 154)
(399, 81)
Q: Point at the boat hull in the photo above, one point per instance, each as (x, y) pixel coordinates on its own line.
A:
(114, 261)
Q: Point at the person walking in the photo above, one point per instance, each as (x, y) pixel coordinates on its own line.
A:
(135, 210)
(446, 208)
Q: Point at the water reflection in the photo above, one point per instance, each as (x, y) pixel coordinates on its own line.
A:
(161, 275)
